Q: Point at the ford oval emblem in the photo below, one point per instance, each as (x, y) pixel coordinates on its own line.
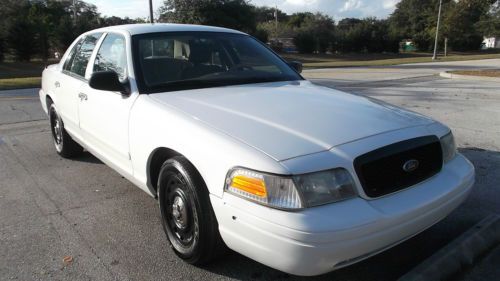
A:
(410, 165)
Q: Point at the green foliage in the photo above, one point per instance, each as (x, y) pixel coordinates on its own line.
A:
(365, 35)
(315, 32)
(416, 19)
(305, 42)
(267, 14)
(37, 28)
(20, 31)
(2, 49)
(236, 14)
(261, 34)
(31, 28)
(283, 30)
(464, 22)
(460, 24)
(489, 24)
(298, 19)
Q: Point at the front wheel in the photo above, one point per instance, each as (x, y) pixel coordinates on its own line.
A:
(65, 145)
(187, 215)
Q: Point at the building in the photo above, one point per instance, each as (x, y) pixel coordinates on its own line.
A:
(491, 42)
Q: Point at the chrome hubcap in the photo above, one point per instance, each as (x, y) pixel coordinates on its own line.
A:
(179, 212)
(58, 131)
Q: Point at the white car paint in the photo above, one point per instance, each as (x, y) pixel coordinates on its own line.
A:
(282, 128)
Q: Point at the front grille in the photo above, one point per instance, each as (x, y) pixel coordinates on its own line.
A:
(382, 171)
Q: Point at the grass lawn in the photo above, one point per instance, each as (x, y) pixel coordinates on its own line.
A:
(22, 69)
(485, 73)
(20, 83)
(19, 75)
(343, 60)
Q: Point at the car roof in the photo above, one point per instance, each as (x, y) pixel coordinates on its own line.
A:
(143, 28)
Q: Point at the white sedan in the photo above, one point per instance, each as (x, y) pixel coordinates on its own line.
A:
(241, 151)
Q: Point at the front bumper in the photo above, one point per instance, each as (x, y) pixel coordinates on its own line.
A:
(320, 239)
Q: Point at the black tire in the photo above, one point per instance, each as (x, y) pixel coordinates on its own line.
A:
(191, 228)
(65, 145)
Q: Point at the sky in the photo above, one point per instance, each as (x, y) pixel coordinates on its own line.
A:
(337, 9)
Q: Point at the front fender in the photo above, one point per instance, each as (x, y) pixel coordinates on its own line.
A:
(213, 153)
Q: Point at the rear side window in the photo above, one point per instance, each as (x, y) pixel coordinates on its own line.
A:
(81, 59)
(71, 55)
(112, 56)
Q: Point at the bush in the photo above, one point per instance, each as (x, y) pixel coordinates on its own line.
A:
(2, 49)
(305, 42)
(262, 35)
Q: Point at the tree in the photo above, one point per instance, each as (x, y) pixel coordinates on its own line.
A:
(235, 14)
(266, 14)
(316, 30)
(461, 24)
(261, 34)
(19, 30)
(305, 42)
(109, 21)
(416, 19)
(489, 23)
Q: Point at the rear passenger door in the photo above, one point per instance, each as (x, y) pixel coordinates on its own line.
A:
(73, 78)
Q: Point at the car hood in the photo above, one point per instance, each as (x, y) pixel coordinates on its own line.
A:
(290, 119)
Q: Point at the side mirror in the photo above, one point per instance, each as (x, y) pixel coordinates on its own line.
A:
(297, 65)
(107, 81)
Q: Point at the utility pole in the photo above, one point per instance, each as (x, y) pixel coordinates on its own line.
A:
(151, 20)
(434, 57)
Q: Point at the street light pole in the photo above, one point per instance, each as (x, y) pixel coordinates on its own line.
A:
(434, 57)
(151, 20)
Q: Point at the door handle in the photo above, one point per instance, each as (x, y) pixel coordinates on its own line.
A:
(82, 96)
(57, 84)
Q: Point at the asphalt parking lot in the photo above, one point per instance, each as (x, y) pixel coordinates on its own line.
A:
(52, 207)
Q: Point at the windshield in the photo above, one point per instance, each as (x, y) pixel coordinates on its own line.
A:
(174, 61)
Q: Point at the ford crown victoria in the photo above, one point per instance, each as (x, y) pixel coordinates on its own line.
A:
(242, 152)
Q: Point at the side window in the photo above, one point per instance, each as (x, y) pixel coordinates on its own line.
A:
(82, 56)
(112, 56)
(71, 56)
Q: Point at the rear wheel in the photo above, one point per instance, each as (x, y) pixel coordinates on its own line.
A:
(65, 145)
(187, 215)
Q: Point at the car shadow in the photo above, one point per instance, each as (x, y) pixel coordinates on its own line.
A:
(87, 157)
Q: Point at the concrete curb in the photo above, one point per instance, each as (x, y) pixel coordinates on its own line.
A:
(447, 74)
(461, 252)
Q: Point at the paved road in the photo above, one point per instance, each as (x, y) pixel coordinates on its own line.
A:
(51, 207)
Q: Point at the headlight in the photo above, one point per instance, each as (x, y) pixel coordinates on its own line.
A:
(291, 192)
(448, 146)
(326, 187)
